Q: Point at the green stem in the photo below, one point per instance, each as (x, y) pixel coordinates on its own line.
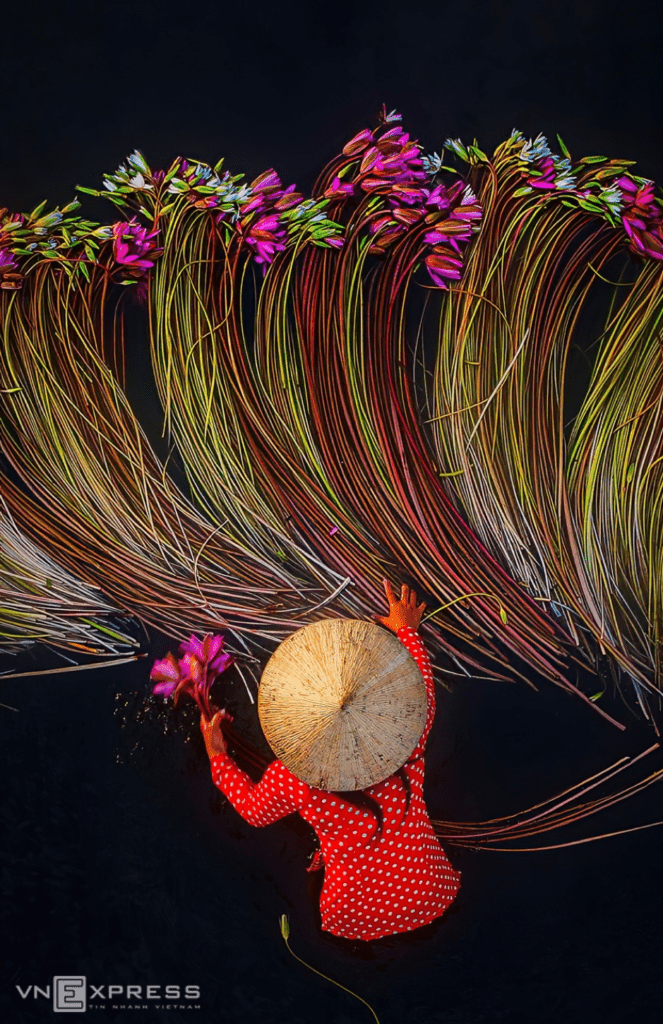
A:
(325, 976)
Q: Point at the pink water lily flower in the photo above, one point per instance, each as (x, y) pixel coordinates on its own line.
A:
(167, 674)
(209, 651)
(266, 237)
(134, 247)
(339, 189)
(10, 277)
(358, 143)
(201, 663)
(642, 217)
(268, 182)
(442, 267)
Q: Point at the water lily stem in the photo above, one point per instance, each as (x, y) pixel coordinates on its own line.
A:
(327, 978)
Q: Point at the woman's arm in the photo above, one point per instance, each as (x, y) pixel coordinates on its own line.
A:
(413, 642)
(278, 793)
(403, 619)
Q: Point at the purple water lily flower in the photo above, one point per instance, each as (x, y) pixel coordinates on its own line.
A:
(134, 247)
(201, 663)
(469, 208)
(393, 140)
(10, 278)
(369, 160)
(545, 175)
(407, 215)
(209, 651)
(288, 199)
(407, 194)
(266, 237)
(441, 198)
(449, 232)
(358, 143)
(442, 267)
(380, 223)
(386, 231)
(340, 189)
(167, 674)
(642, 217)
(256, 202)
(268, 182)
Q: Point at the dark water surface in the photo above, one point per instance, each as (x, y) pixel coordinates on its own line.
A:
(123, 863)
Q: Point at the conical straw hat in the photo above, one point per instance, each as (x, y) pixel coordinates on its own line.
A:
(342, 703)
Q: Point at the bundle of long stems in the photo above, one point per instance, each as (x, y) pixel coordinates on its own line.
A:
(42, 602)
(102, 503)
(557, 519)
(294, 402)
(555, 813)
(293, 390)
(304, 429)
(615, 477)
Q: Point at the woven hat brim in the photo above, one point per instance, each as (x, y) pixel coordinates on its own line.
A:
(342, 703)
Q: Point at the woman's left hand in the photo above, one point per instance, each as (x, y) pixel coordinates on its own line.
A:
(213, 734)
(403, 610)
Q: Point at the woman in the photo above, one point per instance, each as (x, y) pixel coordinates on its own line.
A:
(385, 871)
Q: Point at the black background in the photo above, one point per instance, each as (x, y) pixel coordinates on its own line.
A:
(119, 859)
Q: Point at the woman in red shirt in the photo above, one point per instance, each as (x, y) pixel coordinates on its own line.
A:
(381, 877)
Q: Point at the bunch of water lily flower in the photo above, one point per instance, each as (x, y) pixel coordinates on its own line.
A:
(609, 191)
(596, 184)
(383, 171)
(386, 162)
(272, 213)
(201, 663)
(59, 235)
(264, 216)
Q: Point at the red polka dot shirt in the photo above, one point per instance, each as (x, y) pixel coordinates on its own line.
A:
(374, 884)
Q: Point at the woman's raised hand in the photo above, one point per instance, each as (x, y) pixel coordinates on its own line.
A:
(213, 735)
(403, 610)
